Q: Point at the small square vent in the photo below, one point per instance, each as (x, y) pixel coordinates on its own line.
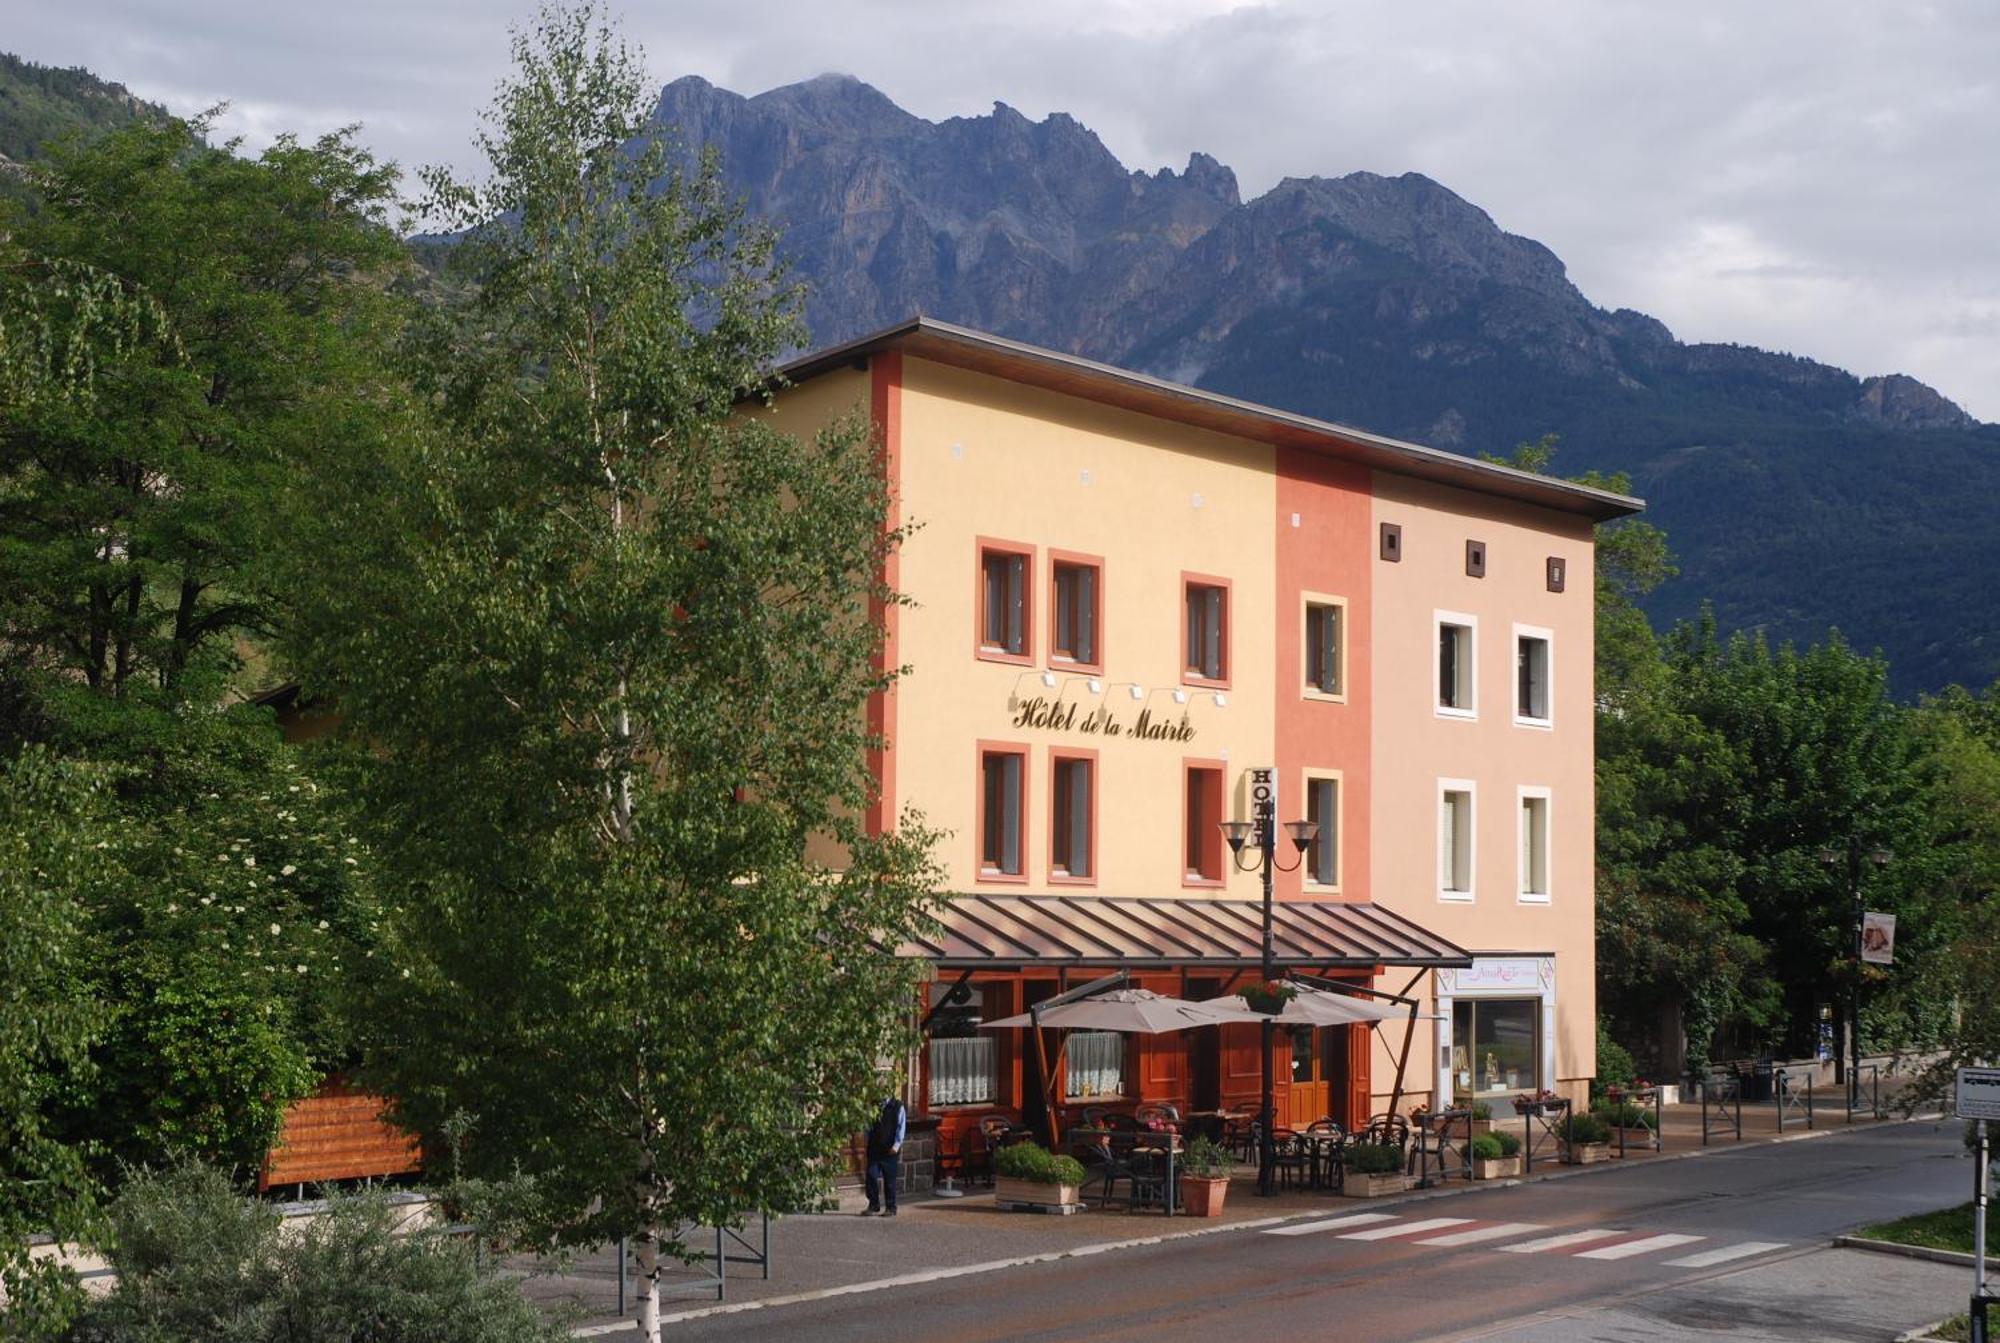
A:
(1392, 541)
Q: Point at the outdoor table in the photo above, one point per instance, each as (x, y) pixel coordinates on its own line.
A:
(1549, 1114)
(1154, 1145)
(1323, 1158)
(1215, 1123)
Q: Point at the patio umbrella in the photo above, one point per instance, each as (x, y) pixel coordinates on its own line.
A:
(1317, 1007)
(1137, 1011)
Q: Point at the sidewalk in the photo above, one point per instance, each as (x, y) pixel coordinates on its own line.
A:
(818, 1255)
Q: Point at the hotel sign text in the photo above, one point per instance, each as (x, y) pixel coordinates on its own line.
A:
(1057, 716)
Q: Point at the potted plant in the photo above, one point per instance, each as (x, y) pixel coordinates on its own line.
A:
(1482, 1117)
(1586, 1139)
(1534, 1102)
(1269, 997)
(1030, 1178)
(1495, 1156)
(1618, 1113)
(1204, 1177)
(1371, 1169)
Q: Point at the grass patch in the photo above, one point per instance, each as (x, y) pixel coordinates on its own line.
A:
(1957, 1329)
(1946, 1229)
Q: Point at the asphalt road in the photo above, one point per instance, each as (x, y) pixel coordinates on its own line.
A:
(1732, 1244)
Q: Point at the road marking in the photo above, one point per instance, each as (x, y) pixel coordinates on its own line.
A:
(1561, 1242)
(1407, 1228)
(1728, 1252)
(1307, 1228)
(1646, 1246)
(1498, 1231)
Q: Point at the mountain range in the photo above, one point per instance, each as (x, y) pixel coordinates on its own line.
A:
(1797, 496)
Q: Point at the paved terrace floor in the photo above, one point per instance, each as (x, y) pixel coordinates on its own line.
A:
(937, 1237)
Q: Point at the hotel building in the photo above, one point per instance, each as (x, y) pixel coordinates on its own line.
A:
(1128, 595)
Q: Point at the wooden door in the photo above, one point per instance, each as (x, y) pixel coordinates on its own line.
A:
(1310, 1096)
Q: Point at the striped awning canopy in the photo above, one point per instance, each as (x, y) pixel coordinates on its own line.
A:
(1008, 931)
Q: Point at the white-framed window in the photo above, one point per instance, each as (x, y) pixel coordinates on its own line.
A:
(1455, 840)
(1322, 858)
(1325, 647)
(1534, 670)
(1457, 664)
(1534, 844)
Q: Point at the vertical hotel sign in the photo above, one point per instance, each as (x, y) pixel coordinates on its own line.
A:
(1264, 805)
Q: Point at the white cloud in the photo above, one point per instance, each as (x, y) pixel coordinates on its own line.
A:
(1809, 175)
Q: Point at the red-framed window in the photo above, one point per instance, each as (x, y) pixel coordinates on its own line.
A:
(1076, 610)
(1003, 811)
(1202, 845)
(1205, 630)
(1072, 815)
(1004, 602)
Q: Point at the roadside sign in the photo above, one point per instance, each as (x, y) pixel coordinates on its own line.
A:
(1878, 938)
(1978, 1093)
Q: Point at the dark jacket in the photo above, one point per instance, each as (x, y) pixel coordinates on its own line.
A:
(887, 1134)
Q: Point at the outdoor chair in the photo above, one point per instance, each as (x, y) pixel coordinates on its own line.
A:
(1435, 1141)
(1327, 1139)
(1392, 1130)
(1159, 1113)
(1143, 1182)
(975, 1158)
(1292, 1160)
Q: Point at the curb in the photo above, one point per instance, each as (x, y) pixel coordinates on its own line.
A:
(1253, 1224)
(1956, 1258)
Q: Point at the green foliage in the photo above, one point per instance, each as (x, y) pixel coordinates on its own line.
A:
(1585, 1128)
(1615, 1067)
(1623, 1114)
(197, 1262)
(41, 104)
(1486, 1147)
(1205, 1157)
(1481, 1110)
(612, 664)
(1037, 1165)
(1510, 1142)
(51, 815)
(1371, 1158)
(1945, 1229)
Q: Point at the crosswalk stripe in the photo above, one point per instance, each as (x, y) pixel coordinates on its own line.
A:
(1708, 1258)
(1561, 1242)
(1307, 1228)
(1637, 1247)
(1498, 1231)
(1406, 1229)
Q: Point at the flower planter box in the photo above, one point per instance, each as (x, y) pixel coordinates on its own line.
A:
(1587, 1153)
(1203, 1195)
(1356, 1185)
(1480, 1126)
(1499, 1168)
(1027, 1196)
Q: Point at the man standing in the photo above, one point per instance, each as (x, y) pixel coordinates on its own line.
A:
(885, 1151)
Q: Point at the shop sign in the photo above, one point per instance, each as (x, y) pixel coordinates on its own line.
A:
(1878, 938)
(1264, 803)
(1055, 715)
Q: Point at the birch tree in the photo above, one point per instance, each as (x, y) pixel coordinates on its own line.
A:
(609, 645)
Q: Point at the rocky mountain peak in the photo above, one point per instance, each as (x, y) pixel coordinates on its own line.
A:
(1898, 401)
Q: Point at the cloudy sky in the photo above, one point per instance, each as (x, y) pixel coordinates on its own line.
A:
(1816, 176)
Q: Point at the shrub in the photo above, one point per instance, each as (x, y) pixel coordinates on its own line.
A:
(1205, 1158)
(1486, 1147)
(1585, 1128)
(1037, 1165)
(1371, 1158)
(1623, 1114)
(1510, 1143)
(197, 1262)
(1481, 1110)
(1615, 1066)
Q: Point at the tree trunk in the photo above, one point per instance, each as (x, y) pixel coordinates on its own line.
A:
(649, 1283)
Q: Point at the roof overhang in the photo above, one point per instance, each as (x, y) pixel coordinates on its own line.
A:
(1022, 931)
(1052, 370)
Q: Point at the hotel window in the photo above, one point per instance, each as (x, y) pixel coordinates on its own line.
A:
(1003, 797)
(1323, 809)
(1095, 1064)
(1455, 841)
(1456, 668)
(1003, 602)
(964, 1060)
(1496, 1045)
(1079, 612)
(1072, 837)
(1535, 846)
(1325, 660)
(1203, 840)
(1531, 677)
(1207, 622)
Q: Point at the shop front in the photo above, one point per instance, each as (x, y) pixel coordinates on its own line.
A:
(998, 956)
(1496, 1029)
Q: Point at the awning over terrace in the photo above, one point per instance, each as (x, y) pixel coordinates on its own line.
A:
(1019, 931)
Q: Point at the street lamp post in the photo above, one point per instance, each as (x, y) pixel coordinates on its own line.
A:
(1238, 833)
(1853, 856)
